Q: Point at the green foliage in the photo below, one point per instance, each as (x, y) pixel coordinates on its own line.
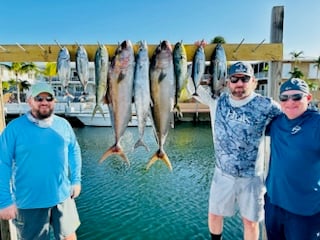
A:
(296, 73)
(313, 86)
(218, 39)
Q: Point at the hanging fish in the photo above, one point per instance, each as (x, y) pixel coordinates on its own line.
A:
(141, 91)
(180, 65)
(119, 95)
(101, 65)
(82, 67)
(198, 66)
(64, 68)
(162, 85)
(218, 70)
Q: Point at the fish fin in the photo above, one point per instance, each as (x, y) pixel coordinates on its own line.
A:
(96, 108)
(141, 143)
(159, 155)
(115, 149)
(162, 76)
(121, 76)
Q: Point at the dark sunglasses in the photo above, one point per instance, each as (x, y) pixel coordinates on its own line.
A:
(41, 99)
(293, 97)
(244, 79)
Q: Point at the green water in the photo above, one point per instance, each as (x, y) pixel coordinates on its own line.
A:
(118, 202)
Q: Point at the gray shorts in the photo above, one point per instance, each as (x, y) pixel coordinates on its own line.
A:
(35, 223)
(228, 193)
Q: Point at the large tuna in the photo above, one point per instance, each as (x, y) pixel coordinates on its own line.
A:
(218, 70)
(101, 65)
(64, 68)
(162, 93)
(119, 95)
(82, 67)
(141, 88)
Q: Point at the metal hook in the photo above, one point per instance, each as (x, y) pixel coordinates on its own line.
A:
(21, 47)
(41, 47)
(258, 45)
(58, 44)
(3, 49)
(238, 45)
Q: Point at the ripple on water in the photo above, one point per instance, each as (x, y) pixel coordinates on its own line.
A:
(120, 202)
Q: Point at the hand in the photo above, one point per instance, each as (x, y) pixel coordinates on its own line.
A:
(8, 212)
(75, 191)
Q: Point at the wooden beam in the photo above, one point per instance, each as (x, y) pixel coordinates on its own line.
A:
(49, 52)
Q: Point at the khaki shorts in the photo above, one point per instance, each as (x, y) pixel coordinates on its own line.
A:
(228, 194)
(35, 223)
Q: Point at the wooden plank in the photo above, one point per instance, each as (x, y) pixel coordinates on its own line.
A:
(193, 108)
(49, 52)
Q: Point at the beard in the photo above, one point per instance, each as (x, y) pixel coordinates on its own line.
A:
(43, 114)
(239, 92)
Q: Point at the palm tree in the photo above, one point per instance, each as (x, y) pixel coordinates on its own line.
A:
(50, 70)
(20, 68)
(296, 73)
(296, 56)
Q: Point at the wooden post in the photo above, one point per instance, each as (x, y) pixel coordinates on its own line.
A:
(7, 230)
(276, 37)
(4, 225)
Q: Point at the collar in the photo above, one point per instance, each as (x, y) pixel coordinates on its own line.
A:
(44, 123)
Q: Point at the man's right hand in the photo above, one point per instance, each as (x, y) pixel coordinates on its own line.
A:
(8, 212)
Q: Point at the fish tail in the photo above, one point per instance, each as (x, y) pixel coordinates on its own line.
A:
(159, 155)
(177, 110)
(115, 149)
(139, 143)
(97, 108)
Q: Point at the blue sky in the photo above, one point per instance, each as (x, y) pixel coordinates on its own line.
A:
(106, 21)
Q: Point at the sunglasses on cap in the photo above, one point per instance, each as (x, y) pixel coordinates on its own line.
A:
(41, 99)
(293, 97)
(244, 79)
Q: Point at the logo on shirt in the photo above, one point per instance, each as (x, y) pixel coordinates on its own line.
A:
(295, 129)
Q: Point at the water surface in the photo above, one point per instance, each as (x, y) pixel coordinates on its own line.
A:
(120, 202)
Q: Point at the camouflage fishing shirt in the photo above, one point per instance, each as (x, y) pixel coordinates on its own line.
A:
(238, 134)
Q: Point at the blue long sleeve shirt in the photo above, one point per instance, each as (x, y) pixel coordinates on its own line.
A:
(38, 165)
(293, 181)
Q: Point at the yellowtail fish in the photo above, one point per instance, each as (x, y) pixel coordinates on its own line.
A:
(101, 65)
(218, 70)
(141, 91)
(162, 85)
(119, 95)
(180, 71)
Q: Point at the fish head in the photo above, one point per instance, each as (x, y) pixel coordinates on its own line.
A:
(179, 51)
(64, 54)
(165, 45)
(81, 52)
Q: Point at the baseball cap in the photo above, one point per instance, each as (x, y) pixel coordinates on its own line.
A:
(294, 84)
(40, 87)
(241, 68)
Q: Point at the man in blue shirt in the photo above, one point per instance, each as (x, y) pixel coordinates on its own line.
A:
(40, 169)
(292, 208)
